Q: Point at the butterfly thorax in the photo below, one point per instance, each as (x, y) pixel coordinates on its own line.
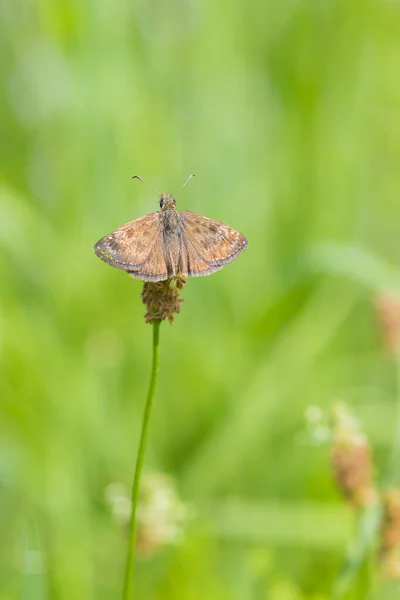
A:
(171, 221)
(170, 216)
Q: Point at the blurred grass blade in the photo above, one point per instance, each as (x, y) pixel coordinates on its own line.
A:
(353, 262)
(252, 416)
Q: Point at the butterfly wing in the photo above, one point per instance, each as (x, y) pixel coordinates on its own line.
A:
(155, 267)
(209, 244)
(136, 247)
(155, 247)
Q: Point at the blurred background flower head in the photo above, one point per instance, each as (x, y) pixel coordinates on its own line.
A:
(161, 515)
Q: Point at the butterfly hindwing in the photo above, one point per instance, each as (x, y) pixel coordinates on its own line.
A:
(214, 243)
(155, 268)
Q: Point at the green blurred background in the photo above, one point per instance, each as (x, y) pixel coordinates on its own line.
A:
(288, 113)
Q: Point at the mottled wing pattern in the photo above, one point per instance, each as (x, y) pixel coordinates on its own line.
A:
(134, 245)
(209, 244)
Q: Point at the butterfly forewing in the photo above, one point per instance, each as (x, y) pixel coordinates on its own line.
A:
(130, 246)
(214, 243)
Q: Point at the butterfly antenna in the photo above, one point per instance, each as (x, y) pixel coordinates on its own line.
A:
(146, 184)
(187, 181)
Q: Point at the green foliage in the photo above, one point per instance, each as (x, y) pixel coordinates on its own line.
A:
(288, 113)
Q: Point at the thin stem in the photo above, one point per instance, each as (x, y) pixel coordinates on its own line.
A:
(367, 528)
(130, 557)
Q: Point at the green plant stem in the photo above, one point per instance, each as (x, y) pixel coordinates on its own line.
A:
(130, 557)
(367, 528)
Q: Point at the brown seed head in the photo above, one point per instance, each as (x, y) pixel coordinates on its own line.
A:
(351, 459)
(162, 298)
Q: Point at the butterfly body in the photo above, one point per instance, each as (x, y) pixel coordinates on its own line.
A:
(170, 243)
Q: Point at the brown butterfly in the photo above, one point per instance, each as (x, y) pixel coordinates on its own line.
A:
(170, 243)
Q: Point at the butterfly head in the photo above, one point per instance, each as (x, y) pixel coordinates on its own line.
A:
(167, 202)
